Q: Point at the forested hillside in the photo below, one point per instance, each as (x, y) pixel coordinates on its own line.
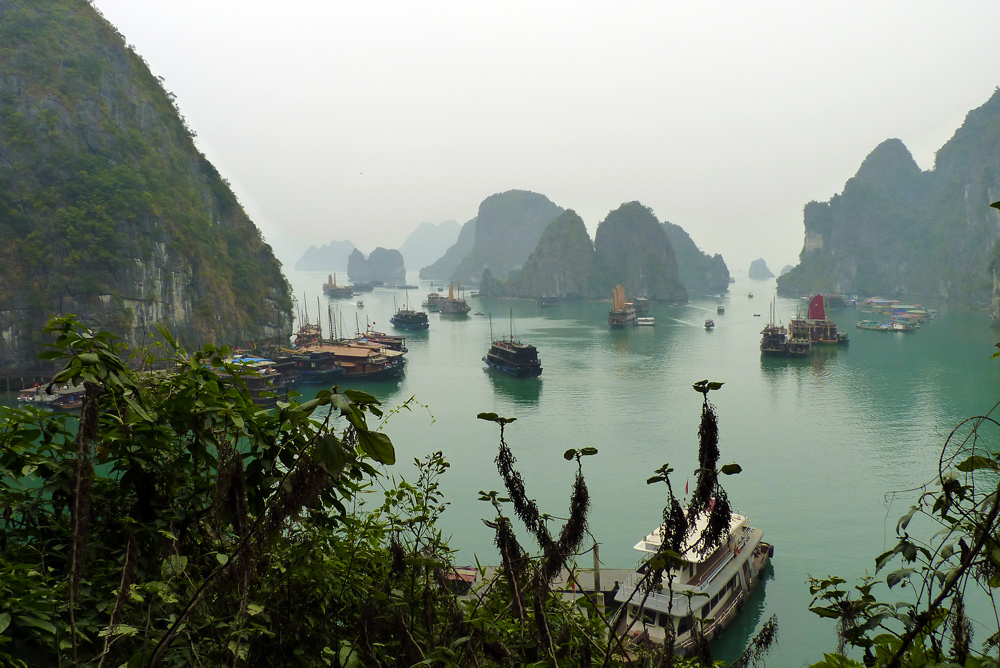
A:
(107, 208)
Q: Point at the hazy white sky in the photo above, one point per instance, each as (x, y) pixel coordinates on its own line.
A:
(359, 120)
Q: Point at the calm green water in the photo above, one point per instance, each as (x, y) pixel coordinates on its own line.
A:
(821, 440)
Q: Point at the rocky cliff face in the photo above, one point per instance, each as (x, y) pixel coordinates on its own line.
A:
(633, 249)
(562, 264)
(699, 271)
(898, 231)
(383, 264)
(107, 209)
(508, 228)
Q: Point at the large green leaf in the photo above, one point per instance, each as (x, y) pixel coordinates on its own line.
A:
(377, 445)
(331, 453)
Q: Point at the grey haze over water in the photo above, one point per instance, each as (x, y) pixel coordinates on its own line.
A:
(358, 121)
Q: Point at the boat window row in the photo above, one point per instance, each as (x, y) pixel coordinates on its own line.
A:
(711, 605)
(649, 617)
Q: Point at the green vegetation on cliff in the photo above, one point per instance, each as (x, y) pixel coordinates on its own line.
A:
(898, 231)
(107, 208)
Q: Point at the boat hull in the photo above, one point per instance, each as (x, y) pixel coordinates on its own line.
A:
(412, 321)
(410, 326)
(517, 371)
(320, 377)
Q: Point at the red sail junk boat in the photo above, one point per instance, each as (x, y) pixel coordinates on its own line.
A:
(816, 327)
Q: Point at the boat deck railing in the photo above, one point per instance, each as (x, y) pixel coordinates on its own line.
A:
(661, 598)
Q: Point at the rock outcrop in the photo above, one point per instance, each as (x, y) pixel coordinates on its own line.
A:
(561, 265)
(107, 208)
(383, 265)
(508, 227)
(699, 271)
(759, 270)
(633, 249)
(898, 231)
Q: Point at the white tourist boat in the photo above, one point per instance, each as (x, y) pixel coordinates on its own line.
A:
(713, 586)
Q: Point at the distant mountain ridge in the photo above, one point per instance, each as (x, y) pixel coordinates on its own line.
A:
(444, 267)
(107, 208)
(429, 242)
(898, 231)
(330, 257)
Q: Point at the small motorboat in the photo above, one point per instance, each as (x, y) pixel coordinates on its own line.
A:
(361, 304)
(709, 324)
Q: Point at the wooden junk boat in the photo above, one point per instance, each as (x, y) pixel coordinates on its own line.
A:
(512, 357)
(331, 289)
(816, 327)
(406, 318)
(264, 382)
(352, 360)
(61, 397)
(453, 305)
(777, 341)
(622, 313)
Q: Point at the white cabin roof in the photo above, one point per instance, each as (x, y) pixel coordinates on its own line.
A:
(652, 542)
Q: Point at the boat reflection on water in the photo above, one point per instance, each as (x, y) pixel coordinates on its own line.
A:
(818, 363)
(522, 391)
